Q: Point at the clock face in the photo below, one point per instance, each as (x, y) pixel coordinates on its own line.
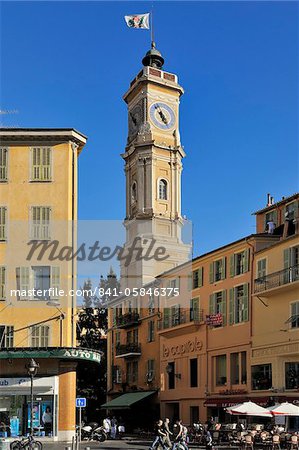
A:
(162, 115)
(135, 119)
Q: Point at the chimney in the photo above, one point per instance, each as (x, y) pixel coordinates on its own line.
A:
(272, 200)
(268, 199)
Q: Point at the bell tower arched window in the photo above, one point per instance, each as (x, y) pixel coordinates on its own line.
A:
(134, 192)
(162, 189)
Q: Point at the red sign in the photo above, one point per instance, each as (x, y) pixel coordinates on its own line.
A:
(214, 319)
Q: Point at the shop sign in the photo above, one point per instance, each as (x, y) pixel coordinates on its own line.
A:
(24, 382)
(191, 346)
(63, 353)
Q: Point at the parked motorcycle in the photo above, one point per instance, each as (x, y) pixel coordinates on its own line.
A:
(93, 432)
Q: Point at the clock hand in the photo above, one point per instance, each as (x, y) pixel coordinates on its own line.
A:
(161, 114)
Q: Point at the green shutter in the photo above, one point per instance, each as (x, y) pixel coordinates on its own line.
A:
(296, 210)
(231, 306)
(200, 277)
(212, 304)
(275, 218)
(190, 281)
(232, 266)
(286, 258)
(246, 260)
(166, 317)
(211, 276)
(223, 306)
(223, 271)
(245, 302)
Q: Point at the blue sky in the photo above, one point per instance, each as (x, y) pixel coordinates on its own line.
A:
(67, 64)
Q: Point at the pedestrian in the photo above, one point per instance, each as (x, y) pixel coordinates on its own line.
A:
(209, 440)
(107, 425)
(167, 431)
(121, 428)
(180, 441)
(113, 427)
(159, 436)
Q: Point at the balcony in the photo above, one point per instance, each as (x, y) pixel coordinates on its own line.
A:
(177, 322)
(127, 320)
(275, 280)
(128, 350)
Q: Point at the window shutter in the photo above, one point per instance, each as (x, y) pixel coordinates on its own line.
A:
(212, 304)
(166, 317)
(223, 307)
(3, 223)
(36, 162)
(2, 283)
(246, 260)
(296, 210)
(3, 163)
(190, 281)
(231, 306)
(200, 277)
(211, 276)
(223, 271)
(245, 302)
(286, 258)
(23, 281)
(275, 218)
(232, 266)
(55, 280)
(46, 163)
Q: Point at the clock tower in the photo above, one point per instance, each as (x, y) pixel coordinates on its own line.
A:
(153, 167)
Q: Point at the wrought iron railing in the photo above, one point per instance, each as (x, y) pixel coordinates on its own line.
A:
(126, 320)
(276, 279)
(123, 349)
(180, 318)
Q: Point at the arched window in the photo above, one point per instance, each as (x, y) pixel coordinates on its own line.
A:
(162, 189)
(134, 192)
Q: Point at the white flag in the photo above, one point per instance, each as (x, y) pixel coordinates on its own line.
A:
(138, 21)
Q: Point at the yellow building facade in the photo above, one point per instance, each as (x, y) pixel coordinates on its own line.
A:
(38, 213)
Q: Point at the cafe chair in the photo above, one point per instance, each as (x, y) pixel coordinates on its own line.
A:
(276, 442)
(293, 443)
(248, 441)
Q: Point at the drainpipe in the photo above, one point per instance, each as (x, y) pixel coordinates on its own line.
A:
(74, 155)
(251, 283)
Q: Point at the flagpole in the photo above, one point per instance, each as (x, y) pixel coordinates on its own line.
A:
(152, 25)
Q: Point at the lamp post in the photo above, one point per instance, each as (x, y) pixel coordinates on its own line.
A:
(56, 305)
(31, 367)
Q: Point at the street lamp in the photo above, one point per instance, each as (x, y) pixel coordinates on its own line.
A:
(31, 367)
(169, 370)
(56, 305)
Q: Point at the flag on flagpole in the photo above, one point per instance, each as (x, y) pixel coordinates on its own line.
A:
(138, 21)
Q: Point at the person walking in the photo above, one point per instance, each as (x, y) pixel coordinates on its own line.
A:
(159, 436)
(181, 436)
(167, 431)
(113, 427)
(107, 426)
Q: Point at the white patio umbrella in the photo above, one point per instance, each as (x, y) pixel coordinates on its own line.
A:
(248, 409)
(284, 409)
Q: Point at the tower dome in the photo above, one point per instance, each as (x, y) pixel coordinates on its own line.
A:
(153, 58)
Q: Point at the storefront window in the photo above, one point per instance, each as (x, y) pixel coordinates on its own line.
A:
(15, 415)
(292, 375)
(261, 377)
